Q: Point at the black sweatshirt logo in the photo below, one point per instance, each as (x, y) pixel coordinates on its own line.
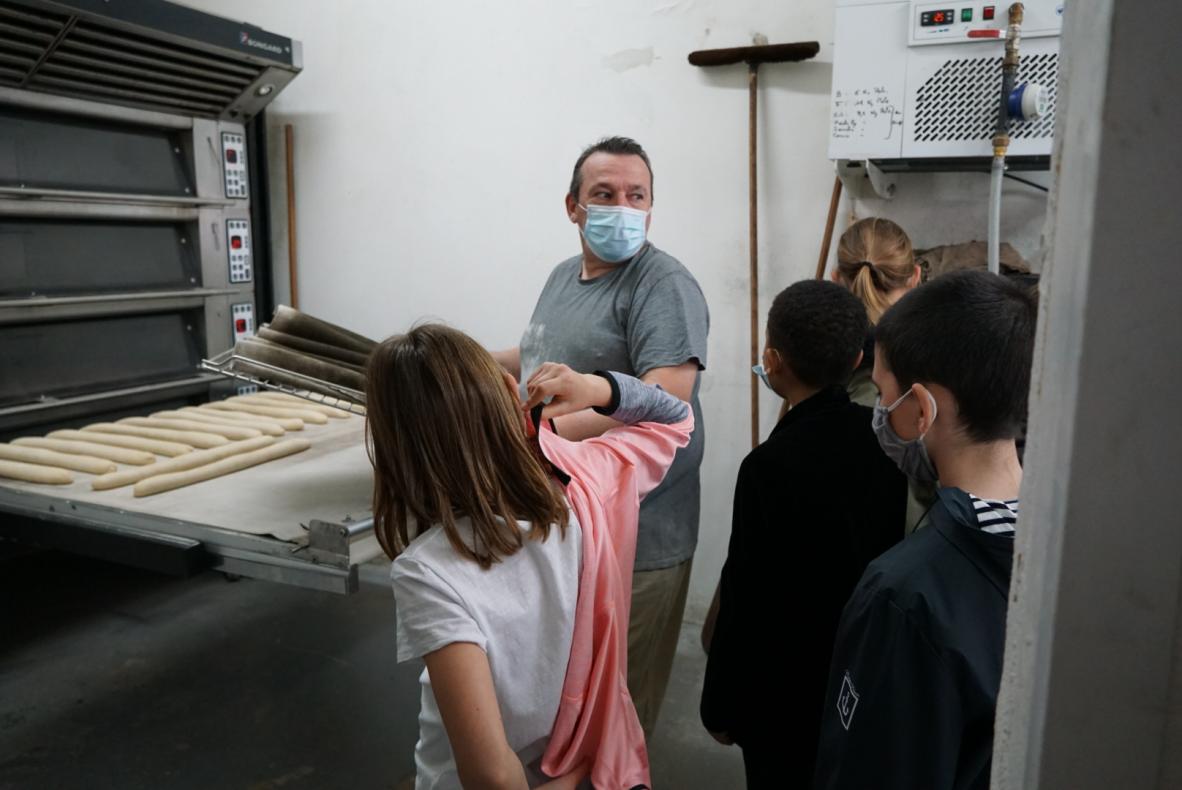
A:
(847, 700)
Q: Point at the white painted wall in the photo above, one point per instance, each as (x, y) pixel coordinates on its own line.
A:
(434, 143)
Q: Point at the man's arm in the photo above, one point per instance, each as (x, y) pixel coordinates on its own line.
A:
(677, 380)
(510, 360)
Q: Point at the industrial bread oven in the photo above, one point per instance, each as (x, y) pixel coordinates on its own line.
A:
(133, 244)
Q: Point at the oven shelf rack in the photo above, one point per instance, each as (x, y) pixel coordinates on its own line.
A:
(250, 371)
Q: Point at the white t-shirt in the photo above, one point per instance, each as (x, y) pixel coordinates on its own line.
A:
(520, 611)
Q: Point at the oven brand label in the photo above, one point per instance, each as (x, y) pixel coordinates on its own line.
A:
(245, 38)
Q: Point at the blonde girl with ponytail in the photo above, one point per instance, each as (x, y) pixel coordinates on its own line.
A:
(876, 263)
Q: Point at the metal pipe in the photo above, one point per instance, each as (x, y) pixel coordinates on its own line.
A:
(1001, 133)
(15, 97)
(38, 309)
(60, 209)
(1009, 75)
(995, 182)
(355, 528)
(120, 198)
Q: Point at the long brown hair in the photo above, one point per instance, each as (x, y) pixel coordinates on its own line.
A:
(874, 258)
(447, 440)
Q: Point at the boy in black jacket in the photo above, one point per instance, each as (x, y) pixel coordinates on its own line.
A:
(813, 505)
(917, 663)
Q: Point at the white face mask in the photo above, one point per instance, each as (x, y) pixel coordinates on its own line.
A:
(614, 233)
(910, 456)
(760, 371)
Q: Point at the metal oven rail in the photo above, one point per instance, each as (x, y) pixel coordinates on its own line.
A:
(316, 390)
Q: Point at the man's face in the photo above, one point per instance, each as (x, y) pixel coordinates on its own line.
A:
(612, 180)
(905, 417)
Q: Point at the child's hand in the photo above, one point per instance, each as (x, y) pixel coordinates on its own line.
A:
(570, 391)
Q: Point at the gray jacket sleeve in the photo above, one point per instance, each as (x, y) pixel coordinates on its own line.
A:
(634, 401)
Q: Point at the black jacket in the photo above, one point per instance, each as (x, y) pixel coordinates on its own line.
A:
(917, 664)
(813, 505)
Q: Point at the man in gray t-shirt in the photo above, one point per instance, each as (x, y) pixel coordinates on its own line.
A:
(624, 305)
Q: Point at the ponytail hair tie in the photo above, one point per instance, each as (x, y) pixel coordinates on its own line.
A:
(875, 275)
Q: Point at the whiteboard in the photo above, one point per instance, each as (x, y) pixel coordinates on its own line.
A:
(869, 81)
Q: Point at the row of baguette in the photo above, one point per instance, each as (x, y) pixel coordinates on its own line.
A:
(198, 443)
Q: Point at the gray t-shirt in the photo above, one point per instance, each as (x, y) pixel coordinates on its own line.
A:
(644, 314)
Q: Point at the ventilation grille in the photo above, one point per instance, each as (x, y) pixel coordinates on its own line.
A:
(959, 102)
(57, 53)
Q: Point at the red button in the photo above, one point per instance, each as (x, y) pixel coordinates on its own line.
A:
(987, 12)
(232, 155)
(240, 325)
(235, 242)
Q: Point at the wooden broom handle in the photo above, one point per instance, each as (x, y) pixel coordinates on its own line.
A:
(753, 208)
(834, 199)
(289, 138)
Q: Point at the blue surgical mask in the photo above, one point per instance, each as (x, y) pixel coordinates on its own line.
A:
(760, 371)
(910, 456)
(614, 233)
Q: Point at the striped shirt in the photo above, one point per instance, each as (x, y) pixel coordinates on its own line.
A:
(996, 516)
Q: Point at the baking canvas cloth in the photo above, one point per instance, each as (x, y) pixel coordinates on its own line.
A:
(330, 480)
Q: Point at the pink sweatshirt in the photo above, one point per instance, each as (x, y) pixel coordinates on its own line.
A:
(596, 723)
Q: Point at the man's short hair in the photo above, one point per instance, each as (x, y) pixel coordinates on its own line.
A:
(625, 146)
(973, 333)
(818, 327)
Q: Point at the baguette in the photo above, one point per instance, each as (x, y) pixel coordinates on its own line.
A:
(180, 464)
(156, 446)
(118, 454)
(233, 404)
(292, 402)
(42, 457)
(158, 484)
(34, 473)
(268, 427)
(190, 438)
(229, 411)
(228, 431)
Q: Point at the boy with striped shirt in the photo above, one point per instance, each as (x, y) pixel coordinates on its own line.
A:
(917, 661)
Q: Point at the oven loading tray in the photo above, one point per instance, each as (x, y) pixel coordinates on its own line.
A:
(303, 519)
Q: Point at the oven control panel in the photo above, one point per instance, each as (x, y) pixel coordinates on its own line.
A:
(242, 318)
(234, 164)
(238, 250)
(972, 21)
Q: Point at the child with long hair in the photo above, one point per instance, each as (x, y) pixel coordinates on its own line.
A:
(513, 553)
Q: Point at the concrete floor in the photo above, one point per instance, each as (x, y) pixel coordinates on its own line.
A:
(116, 678)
